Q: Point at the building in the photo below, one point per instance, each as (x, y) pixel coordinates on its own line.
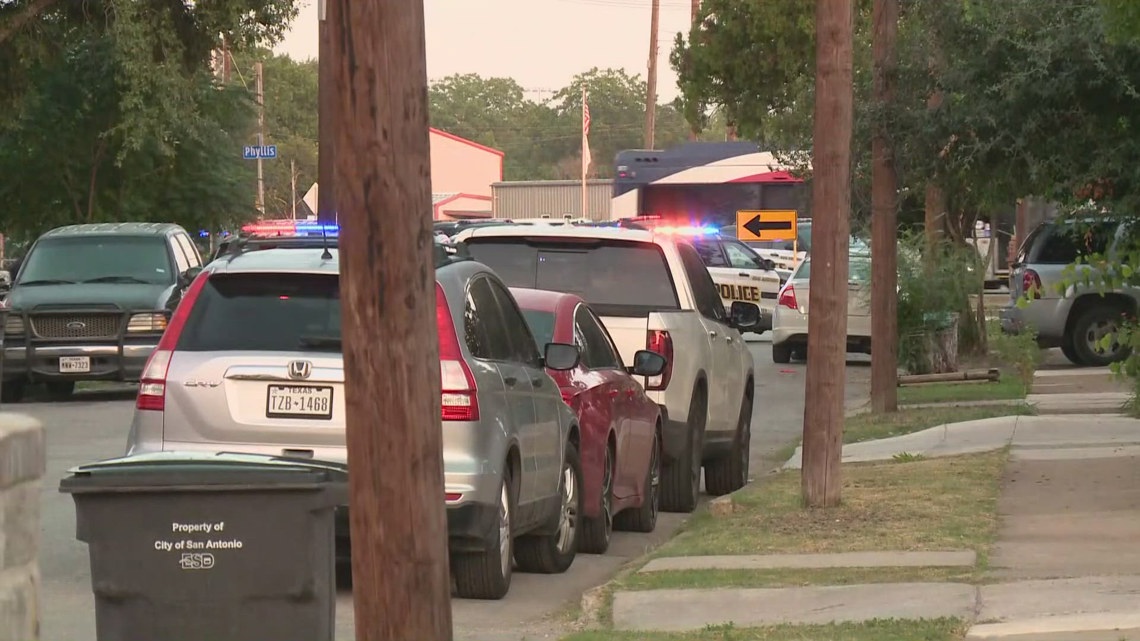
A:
(462, 173)
(552, 199)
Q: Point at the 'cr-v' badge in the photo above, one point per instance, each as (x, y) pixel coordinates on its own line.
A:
(300, 369)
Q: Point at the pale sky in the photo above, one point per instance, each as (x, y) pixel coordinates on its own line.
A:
(539, 43)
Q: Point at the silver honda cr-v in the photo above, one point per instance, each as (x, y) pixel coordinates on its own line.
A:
(251, 362)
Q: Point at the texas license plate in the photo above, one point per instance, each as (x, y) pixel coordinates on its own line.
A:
(74, 364)
(299, 401)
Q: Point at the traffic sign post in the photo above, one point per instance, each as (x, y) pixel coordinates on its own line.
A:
(259, 152)
(769, 224)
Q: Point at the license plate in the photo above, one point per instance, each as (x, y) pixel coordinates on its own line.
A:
(74, 364)
(299, 401)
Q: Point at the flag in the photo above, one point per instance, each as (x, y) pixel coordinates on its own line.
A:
(586, 159)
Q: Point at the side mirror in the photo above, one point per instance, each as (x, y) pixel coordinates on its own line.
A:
(561, 356)
(768, 265)
(647, 363)
(188, 276)
(744, 316)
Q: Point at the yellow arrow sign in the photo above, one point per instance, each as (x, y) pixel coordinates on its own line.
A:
(766, 224)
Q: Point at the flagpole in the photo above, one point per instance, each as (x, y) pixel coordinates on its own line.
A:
(585, 156)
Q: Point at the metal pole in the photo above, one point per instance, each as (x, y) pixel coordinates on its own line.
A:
(651, 82)
(293, 186)
(326, 102)
(260, 138)
(585, 151)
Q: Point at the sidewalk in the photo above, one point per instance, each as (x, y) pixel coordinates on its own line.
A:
(1067, 547)
(1072, 390)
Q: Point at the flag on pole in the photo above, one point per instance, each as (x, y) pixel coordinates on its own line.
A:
(586, 159)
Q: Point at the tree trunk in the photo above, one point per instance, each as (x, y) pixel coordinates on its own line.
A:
(884, 217)
(391, 350)
(831, 202)
(939, 348)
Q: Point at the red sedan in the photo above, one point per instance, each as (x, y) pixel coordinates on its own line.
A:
(621, 427)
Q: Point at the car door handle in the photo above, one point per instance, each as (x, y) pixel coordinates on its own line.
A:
(629, 393)
(728, 338)
(614, 393)
(537, 382)
(510, 381)
(744, 275)
(712, 333)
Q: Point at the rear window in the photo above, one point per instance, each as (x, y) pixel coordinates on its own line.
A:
(1063, 243)
(265, 312)
(541, 325)
(858, 269)
(616, 278)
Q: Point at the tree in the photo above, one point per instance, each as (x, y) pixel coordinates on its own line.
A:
(884, 217)
(397, 518)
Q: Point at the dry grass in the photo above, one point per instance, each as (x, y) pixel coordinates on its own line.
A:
(1007, 388)
(882, 630)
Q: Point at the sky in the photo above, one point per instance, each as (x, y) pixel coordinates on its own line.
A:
(540, 43)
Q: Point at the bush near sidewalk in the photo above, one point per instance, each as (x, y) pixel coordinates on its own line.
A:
(883, 630)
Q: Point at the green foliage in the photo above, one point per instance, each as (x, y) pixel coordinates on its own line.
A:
(1018, 352)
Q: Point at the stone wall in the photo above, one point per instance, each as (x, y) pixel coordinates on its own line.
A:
(22, 460)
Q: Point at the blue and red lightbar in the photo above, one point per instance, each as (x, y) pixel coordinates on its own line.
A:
(675, 225)
(287, 228)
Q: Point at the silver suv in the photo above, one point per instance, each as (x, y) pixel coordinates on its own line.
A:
(251, 362)
(1072, 316)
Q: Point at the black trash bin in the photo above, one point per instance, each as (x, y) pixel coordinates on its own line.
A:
(210, 547)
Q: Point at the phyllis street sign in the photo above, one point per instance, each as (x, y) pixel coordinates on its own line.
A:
(253, 152)
(761, 225)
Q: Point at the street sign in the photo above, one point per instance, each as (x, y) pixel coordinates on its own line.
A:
(253, 152)
(771, 224)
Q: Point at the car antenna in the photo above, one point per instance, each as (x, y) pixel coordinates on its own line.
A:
(326, 254)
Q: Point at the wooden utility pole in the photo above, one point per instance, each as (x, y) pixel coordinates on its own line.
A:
(326, 103)
(257, 70)
(651, 83)
(831, 202)
(694, 15)
(401, 582)
(884, 216)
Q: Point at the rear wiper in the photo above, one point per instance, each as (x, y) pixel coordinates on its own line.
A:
(320, 342)
(116, 279)
(47, 281)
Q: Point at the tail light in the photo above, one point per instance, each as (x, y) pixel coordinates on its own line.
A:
(152, 383)
(788, 298)
(1030, 284)
(659, 341)
(460, 397)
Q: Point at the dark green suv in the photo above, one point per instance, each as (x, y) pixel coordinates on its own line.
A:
(90, 302)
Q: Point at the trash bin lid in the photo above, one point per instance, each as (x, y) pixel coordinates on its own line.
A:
(205, 470)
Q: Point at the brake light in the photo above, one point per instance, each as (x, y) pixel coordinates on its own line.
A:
(152, 383)
(788, 298)
(1031, 284)
(460, 400)
(657, 340)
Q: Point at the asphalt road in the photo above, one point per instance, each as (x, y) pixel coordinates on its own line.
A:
(94, 426)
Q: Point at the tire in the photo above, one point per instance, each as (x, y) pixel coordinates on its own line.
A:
(60, 390)
(730, 473)
(681, 478)
(553, 553)
(1068, 351)
(487, 575)
(781, 353)
(644, 518)
(1086, 326)
(596, 532)
(13, 391)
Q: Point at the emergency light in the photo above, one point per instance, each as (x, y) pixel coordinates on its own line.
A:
(292, 228)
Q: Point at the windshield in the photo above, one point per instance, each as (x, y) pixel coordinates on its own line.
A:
(83, 259)
(617, 278)
(265, 312)
(541, 325)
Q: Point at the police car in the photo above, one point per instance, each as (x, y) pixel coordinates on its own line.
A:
(785, 254)
(739, 272)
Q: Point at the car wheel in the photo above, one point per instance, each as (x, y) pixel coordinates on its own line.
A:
(553, 553)
(60, 390)
(781, 353)
(13, 391)
(487, 574)
(644, 518)
(681, 479)
(730, 473)
(1090, 327)
(596, 532)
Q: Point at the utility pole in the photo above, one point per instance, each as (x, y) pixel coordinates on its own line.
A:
(293, 186)
(260, 137)
(402, 586)
(326, 103)
(694, 14)
(651, 83)
(884, 215)
(831, 202)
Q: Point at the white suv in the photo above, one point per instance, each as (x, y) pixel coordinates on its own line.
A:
(652, 291)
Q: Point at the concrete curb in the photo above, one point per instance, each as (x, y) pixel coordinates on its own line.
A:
(1075, 627)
